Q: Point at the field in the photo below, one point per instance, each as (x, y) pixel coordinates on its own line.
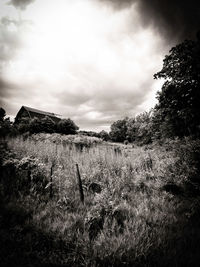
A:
(141, 204)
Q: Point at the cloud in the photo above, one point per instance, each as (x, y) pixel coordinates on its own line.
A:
(80, 60)
(174, 19)
(6, 91)
(15, 92)
(10, 40)
(105, 103)
(119, 4)
(20, 4)
(4, 86)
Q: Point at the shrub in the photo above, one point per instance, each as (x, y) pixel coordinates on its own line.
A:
(47, 125)
(35, 126)
(104, 135)
(67, 126)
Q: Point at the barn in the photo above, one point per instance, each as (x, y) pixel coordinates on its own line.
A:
(27, 112)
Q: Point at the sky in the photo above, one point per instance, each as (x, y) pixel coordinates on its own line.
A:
(89, 60)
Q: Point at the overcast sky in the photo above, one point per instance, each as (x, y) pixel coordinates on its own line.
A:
(90, 60)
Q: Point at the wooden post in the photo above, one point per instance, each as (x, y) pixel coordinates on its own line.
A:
(80, 184)
(29, 179)
(51, 180)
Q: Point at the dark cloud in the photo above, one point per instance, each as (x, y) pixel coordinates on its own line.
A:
(174, 19)
(20, 4)
(7, 88)
(3, 85)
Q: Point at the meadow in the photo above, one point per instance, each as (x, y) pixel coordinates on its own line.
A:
(141, 204)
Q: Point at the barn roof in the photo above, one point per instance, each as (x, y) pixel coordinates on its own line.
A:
(29, 109)
(33, 112)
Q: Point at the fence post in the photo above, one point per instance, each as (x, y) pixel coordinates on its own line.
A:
(80, 184)
(29, 179)
(51, 180)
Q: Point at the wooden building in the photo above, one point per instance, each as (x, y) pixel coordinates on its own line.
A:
(27, 112)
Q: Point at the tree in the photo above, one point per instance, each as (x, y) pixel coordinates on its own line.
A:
(143, 128)
(47, 125)
(67, 126)
(35, 125)
(5, 127)
(118, 131)
(138, 129)
(5, 124)
(2, 114)
(131, 130)
(24, 125)
(178, 106)
(104, 135)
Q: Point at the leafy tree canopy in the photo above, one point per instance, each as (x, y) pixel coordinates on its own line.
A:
(104, 135)
(5, 124)
(67, 126)
(35, 126)
(179, 98)
(47, 125)
(2, 114)
(119, 130)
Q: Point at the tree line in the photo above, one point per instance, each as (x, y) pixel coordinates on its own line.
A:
(36, 125)
(177, 113)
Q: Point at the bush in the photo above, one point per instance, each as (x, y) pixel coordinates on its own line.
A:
(35, 126)
(23, 126)
(47, 125)
(5, 127)
(119, 130)
(104, 135)
(67, 126)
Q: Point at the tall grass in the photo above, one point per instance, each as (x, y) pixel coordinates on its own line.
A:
(134, 221)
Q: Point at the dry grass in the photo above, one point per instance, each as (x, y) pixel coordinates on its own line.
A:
(134, 221)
